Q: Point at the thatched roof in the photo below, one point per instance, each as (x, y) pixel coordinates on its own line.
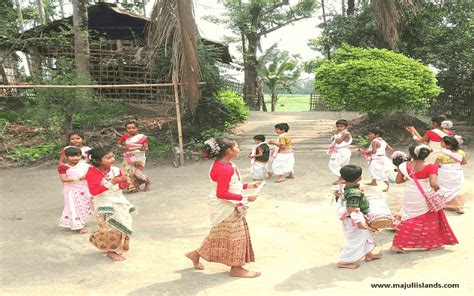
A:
(114, 23)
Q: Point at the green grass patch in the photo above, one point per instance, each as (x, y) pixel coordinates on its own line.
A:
(289, 103)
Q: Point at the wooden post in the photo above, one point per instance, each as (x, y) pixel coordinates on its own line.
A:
(178, 118)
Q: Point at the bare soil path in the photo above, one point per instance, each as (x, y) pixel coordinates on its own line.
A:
(295, 234)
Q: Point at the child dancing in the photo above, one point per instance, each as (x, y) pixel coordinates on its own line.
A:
(259, 158)
(76, 139)
(340, 154)
(379, 164)
(450, 174)
(352, 205)
(77, 199)
(284, 162)
(135, 146)
(113, 210)
(229, 240)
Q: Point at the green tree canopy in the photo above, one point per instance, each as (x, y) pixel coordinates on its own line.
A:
(375, 80)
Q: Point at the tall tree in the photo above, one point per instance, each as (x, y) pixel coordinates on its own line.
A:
(254, 19)
(41, 13)
(350, 7)
(81, 37)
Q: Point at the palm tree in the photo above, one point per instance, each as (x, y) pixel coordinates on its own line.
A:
(173, 27)
(390, 15)
(280, 74)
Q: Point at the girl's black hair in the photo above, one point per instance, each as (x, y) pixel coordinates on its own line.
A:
(451, 142)
(350, 173)
(399, 160)
(96, 155)
(342, 122)
(376, 131)
(438, 119)
(216, 148)
(72, 151)
(77, 133)
(131, 122)
(422, 155)
(261, 138)
(283, 126)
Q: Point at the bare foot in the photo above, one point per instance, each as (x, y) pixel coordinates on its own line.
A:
(385, 190)
(398, 250)
(370, 257)
(290, 176)
(239, 271)
(194, 257)
(348, 265)
(280, 179)
(373, 183)
(82, 230)
(147, 186)
(115, 257)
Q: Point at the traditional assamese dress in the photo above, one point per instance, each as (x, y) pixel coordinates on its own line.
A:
(435, 135)
(229, 239)
(259, 165)
(451, 176)
(134, 159)
(359, 242)
(420, 228)
(77, 199)
(340, 154)
(113, 211)
(379, 164)
(284, 161)
(84, 152)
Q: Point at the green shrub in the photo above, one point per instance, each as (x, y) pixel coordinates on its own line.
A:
(26, 154)
(374, 81)
(219, 113)
(158, 147)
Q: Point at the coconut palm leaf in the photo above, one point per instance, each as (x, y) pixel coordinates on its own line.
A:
(390, 15)
(173, 29)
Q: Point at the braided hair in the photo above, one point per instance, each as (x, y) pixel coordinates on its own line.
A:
(216, 147)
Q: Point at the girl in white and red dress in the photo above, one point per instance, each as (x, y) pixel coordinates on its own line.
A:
(420, 228)
(77, 199)
(379, 164)
(113, 210)
(439, 129)
(135, 146)
(451, 177)
(339, 152)
(229, 240)
(76, 139)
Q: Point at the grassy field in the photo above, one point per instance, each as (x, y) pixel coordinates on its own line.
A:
(289, 103)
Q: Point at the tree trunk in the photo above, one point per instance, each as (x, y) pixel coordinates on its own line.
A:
(343, 7)
(67, 114)
(41, 18)
(81, 37)
(250, 59)
(61, 7)
(274, 100)
(350, 7)
(326, 47)
(144, 7)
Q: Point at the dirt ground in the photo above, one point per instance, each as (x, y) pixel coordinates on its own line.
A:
(296, 236)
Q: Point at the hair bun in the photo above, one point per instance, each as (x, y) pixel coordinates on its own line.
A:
(459, 139)
(211, 148)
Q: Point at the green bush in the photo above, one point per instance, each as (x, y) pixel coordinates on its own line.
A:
(157, 147)
(218, 113)
(374, 81)
(26, 154)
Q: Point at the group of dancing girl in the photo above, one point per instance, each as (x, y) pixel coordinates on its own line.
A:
(93, 184)
(433, 178)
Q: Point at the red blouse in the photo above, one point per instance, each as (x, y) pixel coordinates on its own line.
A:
(434, 136)
(222, 174)
(62, 169)
(94, 179)
(429, 169)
